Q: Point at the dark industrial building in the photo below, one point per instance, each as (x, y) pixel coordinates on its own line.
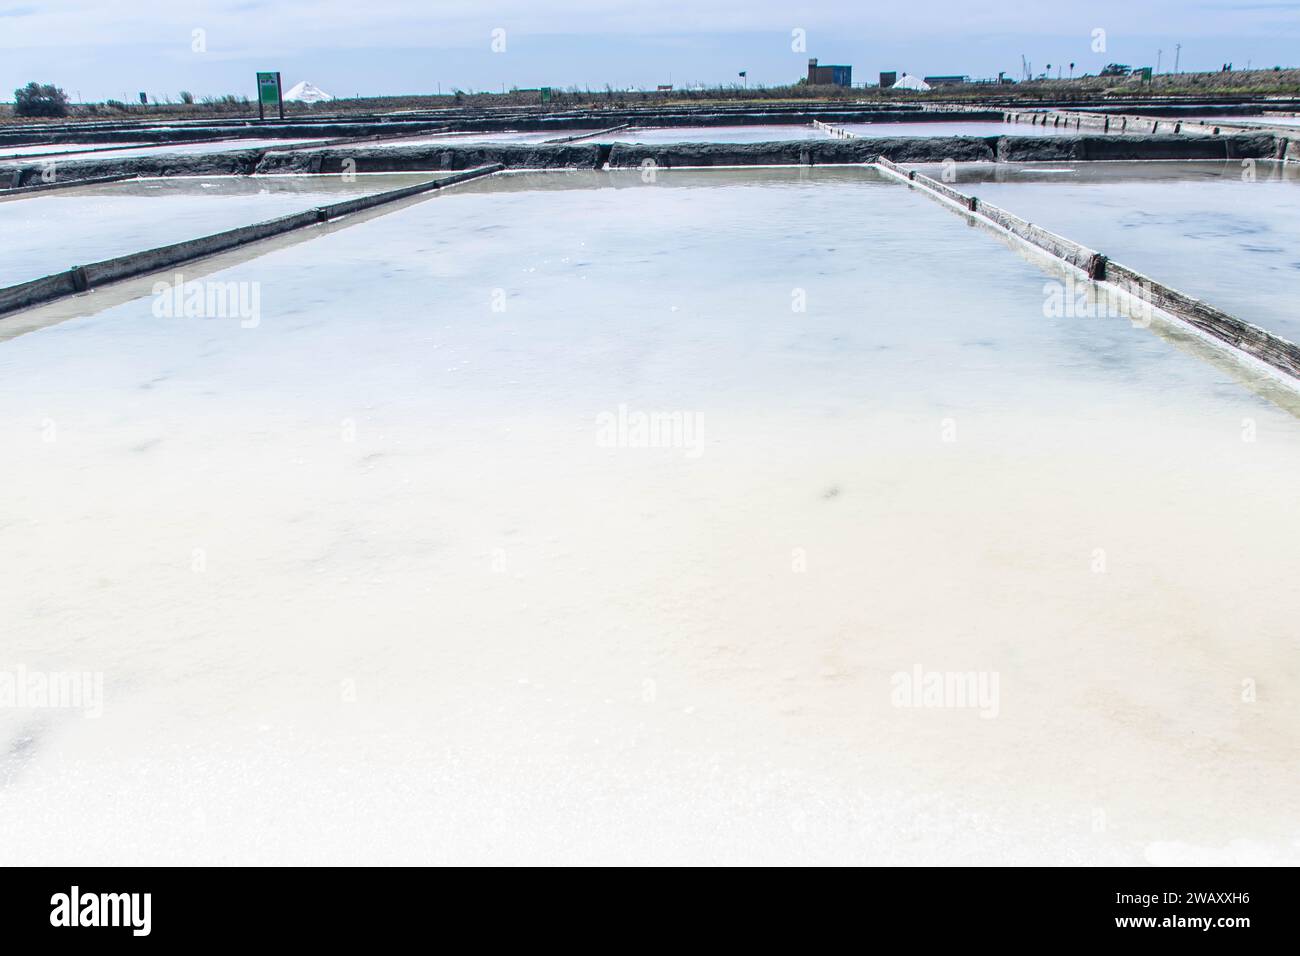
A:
(947, 80)
(829, 75)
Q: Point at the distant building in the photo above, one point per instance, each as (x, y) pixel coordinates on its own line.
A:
(947, 80)
(829, 75)
(888, 78)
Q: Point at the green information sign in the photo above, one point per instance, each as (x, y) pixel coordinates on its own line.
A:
(268, 94)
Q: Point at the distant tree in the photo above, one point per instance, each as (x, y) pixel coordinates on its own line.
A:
(36, 99)
(187, 97)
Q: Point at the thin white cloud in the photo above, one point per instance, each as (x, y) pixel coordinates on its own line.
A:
(238, 26)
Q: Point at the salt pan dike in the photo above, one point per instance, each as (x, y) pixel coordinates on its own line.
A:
(1226, 232)
(748, 516)
(50, 232)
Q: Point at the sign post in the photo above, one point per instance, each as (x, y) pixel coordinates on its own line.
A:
(268, 94)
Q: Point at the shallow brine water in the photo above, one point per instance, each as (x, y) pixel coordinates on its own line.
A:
(1228, 233)
(173, 149)
(1254, 120)
(404, 570)
(474, 139)
(715, 134)
(50, 232)
(982, 128)
(37, 150)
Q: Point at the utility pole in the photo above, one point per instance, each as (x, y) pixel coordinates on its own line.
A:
(1159, 54)
(1178, 53)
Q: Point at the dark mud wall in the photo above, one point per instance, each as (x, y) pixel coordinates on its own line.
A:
(367, 158)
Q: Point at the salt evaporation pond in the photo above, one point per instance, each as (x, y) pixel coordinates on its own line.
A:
(1225, 232)
(389, 577)
(714, 134)
(947, 128)
(1254, 120)
(43, 148)
(474, 139)
(52, 231)
(176, 149)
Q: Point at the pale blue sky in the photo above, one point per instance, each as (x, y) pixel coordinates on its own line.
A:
(101, 49)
